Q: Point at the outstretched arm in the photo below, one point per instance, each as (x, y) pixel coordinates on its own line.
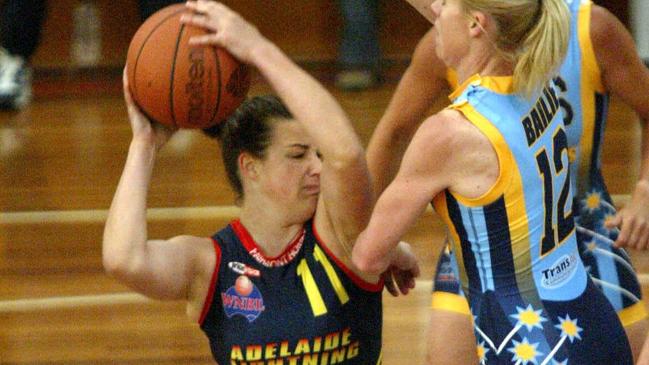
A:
(625, 76)
(421, 85)
(424, 172)
(347, 205)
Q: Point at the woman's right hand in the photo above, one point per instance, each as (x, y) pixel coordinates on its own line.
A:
(144, 129)
(404, 268)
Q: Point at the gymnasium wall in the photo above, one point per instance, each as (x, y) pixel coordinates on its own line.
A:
(307, 30)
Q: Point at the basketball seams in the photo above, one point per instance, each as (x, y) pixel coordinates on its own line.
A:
(133, 85)
(173, 76)
(217, 62)
(158, 65)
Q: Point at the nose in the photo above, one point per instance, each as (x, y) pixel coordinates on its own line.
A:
(315, 164)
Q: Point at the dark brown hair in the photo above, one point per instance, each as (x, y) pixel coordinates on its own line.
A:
(248, 130)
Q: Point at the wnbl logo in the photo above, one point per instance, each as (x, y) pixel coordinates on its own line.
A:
(243, 299)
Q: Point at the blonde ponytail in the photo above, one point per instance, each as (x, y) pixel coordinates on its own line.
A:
(532, 34)
(543, 48)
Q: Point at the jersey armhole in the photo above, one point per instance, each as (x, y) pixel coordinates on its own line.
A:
(357, 280)
(215, 274)
(503, 154)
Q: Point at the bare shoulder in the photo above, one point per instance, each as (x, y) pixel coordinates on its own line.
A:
(443, 149)
(623, 72)
(612, 42)
(604, 26)
(449, 129)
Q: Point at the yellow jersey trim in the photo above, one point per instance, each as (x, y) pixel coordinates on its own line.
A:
(589, 60)
(590, 82)
(497, 84)
(450, 302)
(633, 314)
(508, 185)
(451, 78)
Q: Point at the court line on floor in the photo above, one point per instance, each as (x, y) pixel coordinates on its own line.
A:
(35, 304)
(99, 215)
(69, 302)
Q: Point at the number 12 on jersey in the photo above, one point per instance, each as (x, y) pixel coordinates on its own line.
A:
(565, 224)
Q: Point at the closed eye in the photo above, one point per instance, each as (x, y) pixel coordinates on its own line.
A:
(297, 151)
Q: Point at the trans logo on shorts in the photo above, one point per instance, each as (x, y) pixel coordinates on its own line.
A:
(243, 299)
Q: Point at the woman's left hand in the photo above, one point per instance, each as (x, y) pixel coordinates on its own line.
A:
(225, 28)
(633, 220)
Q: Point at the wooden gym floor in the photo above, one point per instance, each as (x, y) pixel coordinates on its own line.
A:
(60, 160)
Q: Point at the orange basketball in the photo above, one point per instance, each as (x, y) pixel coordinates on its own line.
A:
(179, 85)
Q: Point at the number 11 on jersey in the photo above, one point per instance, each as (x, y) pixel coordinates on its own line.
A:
(312, 291)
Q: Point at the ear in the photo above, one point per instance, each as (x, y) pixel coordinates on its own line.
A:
(248, 166)
(479, 23)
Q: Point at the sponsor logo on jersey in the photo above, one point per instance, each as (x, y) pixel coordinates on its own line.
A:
(288, 256)
(244, 299)
(446, 273)
(243, 269)
(560, 272)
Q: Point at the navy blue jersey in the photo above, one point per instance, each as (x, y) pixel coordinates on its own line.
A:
(302, 307)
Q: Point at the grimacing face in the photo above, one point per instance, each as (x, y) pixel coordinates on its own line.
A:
(290, 171)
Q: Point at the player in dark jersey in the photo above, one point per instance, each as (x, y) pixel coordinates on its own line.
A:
(276, 286)
(601, 70)
(503, 252)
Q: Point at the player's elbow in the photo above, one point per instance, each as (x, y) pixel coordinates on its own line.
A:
(344, 156)
(369, 266)
(367, 262)
(118, 264)
(114, 265)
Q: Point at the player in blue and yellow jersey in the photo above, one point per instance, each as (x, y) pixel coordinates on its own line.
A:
(496, 165)
(596, 70)
(276, 286)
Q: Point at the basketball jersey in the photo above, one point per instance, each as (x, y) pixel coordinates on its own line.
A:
(519, 265)
(302, 307)
(502, 240)
(584, 102)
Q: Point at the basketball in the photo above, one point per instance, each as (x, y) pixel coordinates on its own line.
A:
(179, 85)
